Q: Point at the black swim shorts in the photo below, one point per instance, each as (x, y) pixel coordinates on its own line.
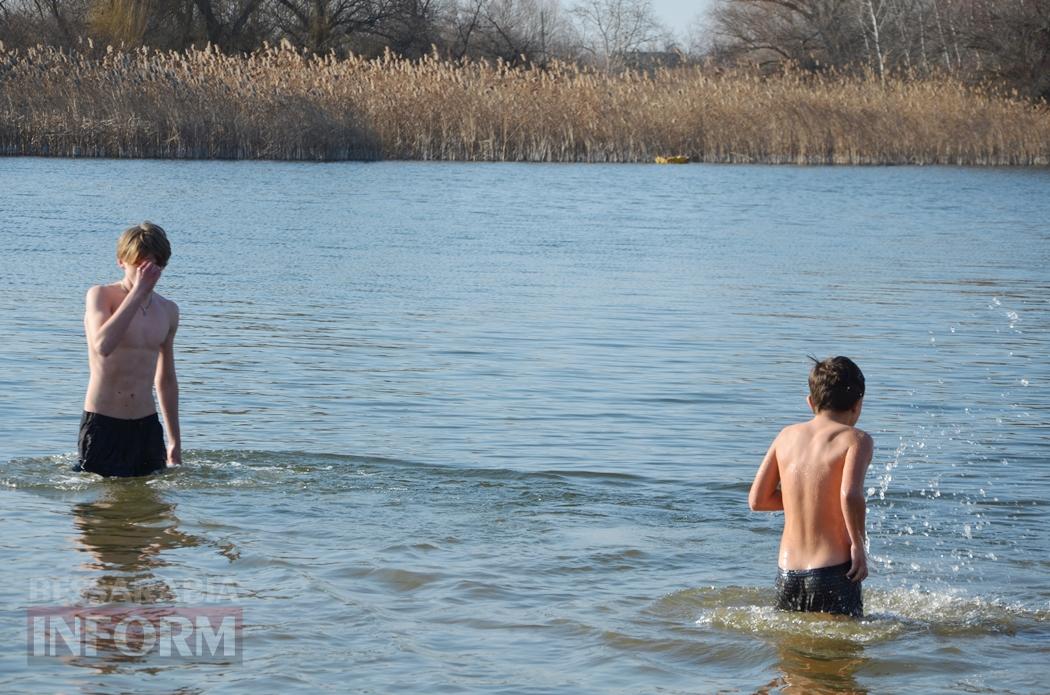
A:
(824, 590)
(115, 447)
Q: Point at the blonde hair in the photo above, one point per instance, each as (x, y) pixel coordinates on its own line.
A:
(146, 239)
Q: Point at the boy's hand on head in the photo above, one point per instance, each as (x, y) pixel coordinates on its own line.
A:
(149, 274)
(858, 564)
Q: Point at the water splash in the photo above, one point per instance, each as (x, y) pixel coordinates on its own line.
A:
(1013, 317)
(886, 476)
(889, 614)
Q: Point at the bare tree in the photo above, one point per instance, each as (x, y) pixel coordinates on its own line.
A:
(1012, 40)
(323, 25)
(520, 30)
(411, 28)
(809, 33)
(225, 22)
(463, 18)
(171, 24)
(611, 29)
(873, 13)
(699, 41)
(60, 22)
(532, 31)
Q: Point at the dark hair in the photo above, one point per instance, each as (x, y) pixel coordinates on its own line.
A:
(835, 384)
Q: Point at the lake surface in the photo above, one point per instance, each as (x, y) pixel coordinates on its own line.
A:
(490, 428)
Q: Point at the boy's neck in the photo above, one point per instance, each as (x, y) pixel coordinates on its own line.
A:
(842, 417)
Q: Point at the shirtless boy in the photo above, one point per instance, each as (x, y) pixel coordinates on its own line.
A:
(130, 335)
(814, 473)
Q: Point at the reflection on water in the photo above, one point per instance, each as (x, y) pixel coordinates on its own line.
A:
(813, 666)
(126, 533)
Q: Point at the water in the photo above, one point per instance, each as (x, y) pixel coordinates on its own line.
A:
(490, 428)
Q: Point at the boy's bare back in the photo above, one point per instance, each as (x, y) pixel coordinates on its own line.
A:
(818, 466)
(814, 472)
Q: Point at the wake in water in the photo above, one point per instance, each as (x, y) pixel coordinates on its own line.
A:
(204, 469)
(925, 603)
(889, 614)
(201, 469)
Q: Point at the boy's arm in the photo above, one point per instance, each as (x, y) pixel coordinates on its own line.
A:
(167, 385)
(765, 496)
(858, 456)
(104, 329)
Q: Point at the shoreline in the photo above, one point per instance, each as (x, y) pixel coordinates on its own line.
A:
(282, 105)
(726, 163)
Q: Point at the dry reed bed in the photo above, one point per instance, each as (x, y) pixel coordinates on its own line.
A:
(280, 104)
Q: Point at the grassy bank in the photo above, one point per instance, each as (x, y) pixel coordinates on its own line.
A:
(278, 104)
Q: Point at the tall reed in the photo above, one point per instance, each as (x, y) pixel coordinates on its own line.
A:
(280, 104)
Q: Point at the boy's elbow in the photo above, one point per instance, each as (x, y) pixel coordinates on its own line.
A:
(752, 501)
(853, 498)
(758, 504)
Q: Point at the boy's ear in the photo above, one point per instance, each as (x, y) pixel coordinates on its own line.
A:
(855, 410)
(809, 402)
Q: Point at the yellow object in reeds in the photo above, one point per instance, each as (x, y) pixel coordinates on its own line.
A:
(675, 159)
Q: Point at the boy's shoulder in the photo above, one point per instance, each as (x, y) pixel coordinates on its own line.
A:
(862, 437)
(795, 429)
(165, 302)
(106, 293)
(169, 307)
(854, 437)
(113, 291)
(854, 431)
(808, 429)
(790, 435)
(103, 289)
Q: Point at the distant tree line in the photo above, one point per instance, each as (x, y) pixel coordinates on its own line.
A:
(601, 32)
(1002, 41)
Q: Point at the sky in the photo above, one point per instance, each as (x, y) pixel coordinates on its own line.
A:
(678, 14)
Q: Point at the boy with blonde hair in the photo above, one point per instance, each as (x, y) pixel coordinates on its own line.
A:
(130, 333)
(814, 473)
